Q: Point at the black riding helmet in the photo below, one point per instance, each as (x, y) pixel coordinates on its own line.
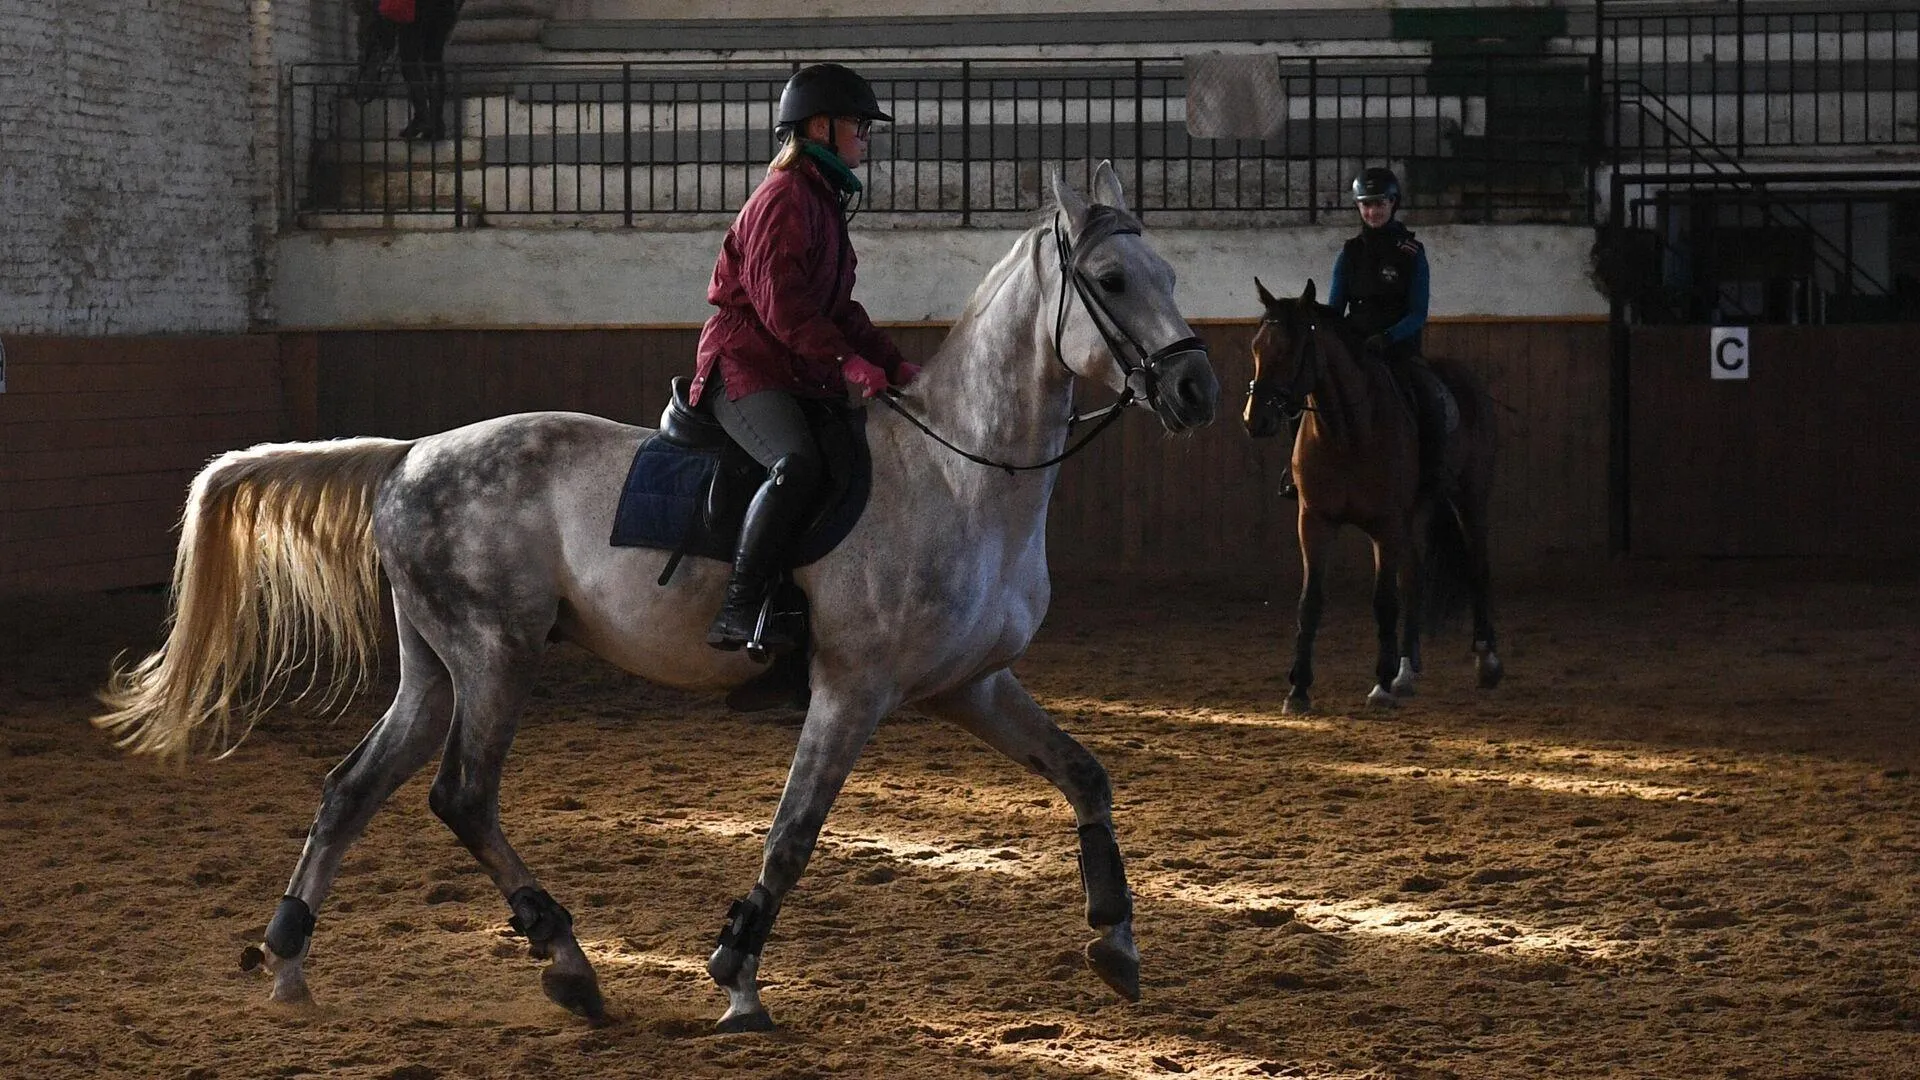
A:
(833, 89)
(1376, 183)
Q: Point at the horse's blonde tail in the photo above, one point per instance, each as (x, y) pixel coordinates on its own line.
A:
(276, 567)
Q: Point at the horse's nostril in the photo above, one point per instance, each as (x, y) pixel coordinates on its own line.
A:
(1196, 393)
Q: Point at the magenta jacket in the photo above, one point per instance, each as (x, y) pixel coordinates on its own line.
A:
(784, 287)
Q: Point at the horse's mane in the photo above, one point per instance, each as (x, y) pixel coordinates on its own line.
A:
(998, 277)
(1349, 334)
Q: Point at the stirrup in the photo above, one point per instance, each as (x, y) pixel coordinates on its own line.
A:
(1288, 489)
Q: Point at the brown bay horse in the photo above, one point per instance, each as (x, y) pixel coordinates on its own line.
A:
(1356, 462)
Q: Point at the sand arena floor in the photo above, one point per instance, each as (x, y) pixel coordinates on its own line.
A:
(1682, 840)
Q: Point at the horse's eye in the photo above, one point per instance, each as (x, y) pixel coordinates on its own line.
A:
(1115, 283)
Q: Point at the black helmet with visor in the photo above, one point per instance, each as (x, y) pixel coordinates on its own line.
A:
(1376, 183)
(830, 89)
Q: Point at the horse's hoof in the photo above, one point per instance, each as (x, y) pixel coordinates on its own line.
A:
(1488, 664)
(1297, 705)
(1382, 698)
(734, 1023)
(578, 994)
(292, 993)
(1116, 966)
(1405, 683)
(252, 957)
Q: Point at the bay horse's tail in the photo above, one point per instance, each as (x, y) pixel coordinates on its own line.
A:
(1449, 569)
(1456, 538)
(276, 566)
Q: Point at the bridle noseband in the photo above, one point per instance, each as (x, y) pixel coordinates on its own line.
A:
(1140, 377)
(1292, 401)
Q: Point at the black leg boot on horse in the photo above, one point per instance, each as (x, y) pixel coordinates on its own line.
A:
(772, 518)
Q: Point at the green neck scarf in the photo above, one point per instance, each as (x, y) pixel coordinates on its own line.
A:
(832, 167)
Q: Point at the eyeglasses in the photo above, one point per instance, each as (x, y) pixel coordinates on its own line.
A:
(862, 129)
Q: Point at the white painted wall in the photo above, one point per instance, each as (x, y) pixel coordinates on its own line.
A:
(584, 277)
(833, 9)
(138, 152)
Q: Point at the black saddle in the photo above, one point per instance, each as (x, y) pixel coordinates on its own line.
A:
(688, 488)
(687, 492)
(1427, 394)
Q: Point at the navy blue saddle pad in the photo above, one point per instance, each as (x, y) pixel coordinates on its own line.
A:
(665, 502)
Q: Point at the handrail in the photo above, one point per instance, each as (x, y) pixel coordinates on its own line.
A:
(619, 141)
(1840, 263)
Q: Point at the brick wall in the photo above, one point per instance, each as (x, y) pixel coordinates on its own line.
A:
(138, 148)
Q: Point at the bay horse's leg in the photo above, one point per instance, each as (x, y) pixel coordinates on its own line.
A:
(1413, 600)
(1004, 715)
(1480, 587)
(400, 743)
(1389, 552)
(1315, 533)
(492, 678)
(837, 728)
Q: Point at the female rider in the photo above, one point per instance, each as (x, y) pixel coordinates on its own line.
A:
(1380, 283)
(788, 327)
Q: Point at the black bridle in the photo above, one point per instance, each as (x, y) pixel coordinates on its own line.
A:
(1291, 401)
(1140, 377)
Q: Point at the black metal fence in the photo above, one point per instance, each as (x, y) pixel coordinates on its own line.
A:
(1805, 246)
(1748, 79)
(1477, 138)
(1489, 131)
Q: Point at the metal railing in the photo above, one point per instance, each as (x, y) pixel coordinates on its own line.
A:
(1802, 246)
(1753, 78)
(1723, 129)
(628, 143)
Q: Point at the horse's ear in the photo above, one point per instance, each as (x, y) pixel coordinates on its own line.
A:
(1106, 187)
(1307, 296)
(1069, 199)
(1267, 299)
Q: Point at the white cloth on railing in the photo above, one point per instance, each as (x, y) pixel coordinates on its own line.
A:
(1235, 96)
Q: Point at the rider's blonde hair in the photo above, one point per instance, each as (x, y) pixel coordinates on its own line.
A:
(790, 150)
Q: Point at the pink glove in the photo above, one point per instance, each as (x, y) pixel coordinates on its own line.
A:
(904, 373)
(863, 374)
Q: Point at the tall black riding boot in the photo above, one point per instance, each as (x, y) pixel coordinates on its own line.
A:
(771, 518)
(418, 105)
(436, 123)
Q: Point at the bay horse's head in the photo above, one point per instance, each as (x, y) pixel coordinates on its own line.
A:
(1286, 361)
(1131, 336)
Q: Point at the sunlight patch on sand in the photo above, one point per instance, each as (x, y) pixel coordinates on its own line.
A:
(938, 854)
(1576, 785)
(1582, 756)
(1451, 929)
(1060, 706)
(1060, 1039)
(606, 953)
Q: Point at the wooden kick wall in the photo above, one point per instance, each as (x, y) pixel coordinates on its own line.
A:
(99, 438)
(1137, 501)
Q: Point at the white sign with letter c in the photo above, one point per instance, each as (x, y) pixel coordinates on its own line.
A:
(1728, 352)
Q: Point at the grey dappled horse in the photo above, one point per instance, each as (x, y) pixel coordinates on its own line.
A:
(493, 538)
